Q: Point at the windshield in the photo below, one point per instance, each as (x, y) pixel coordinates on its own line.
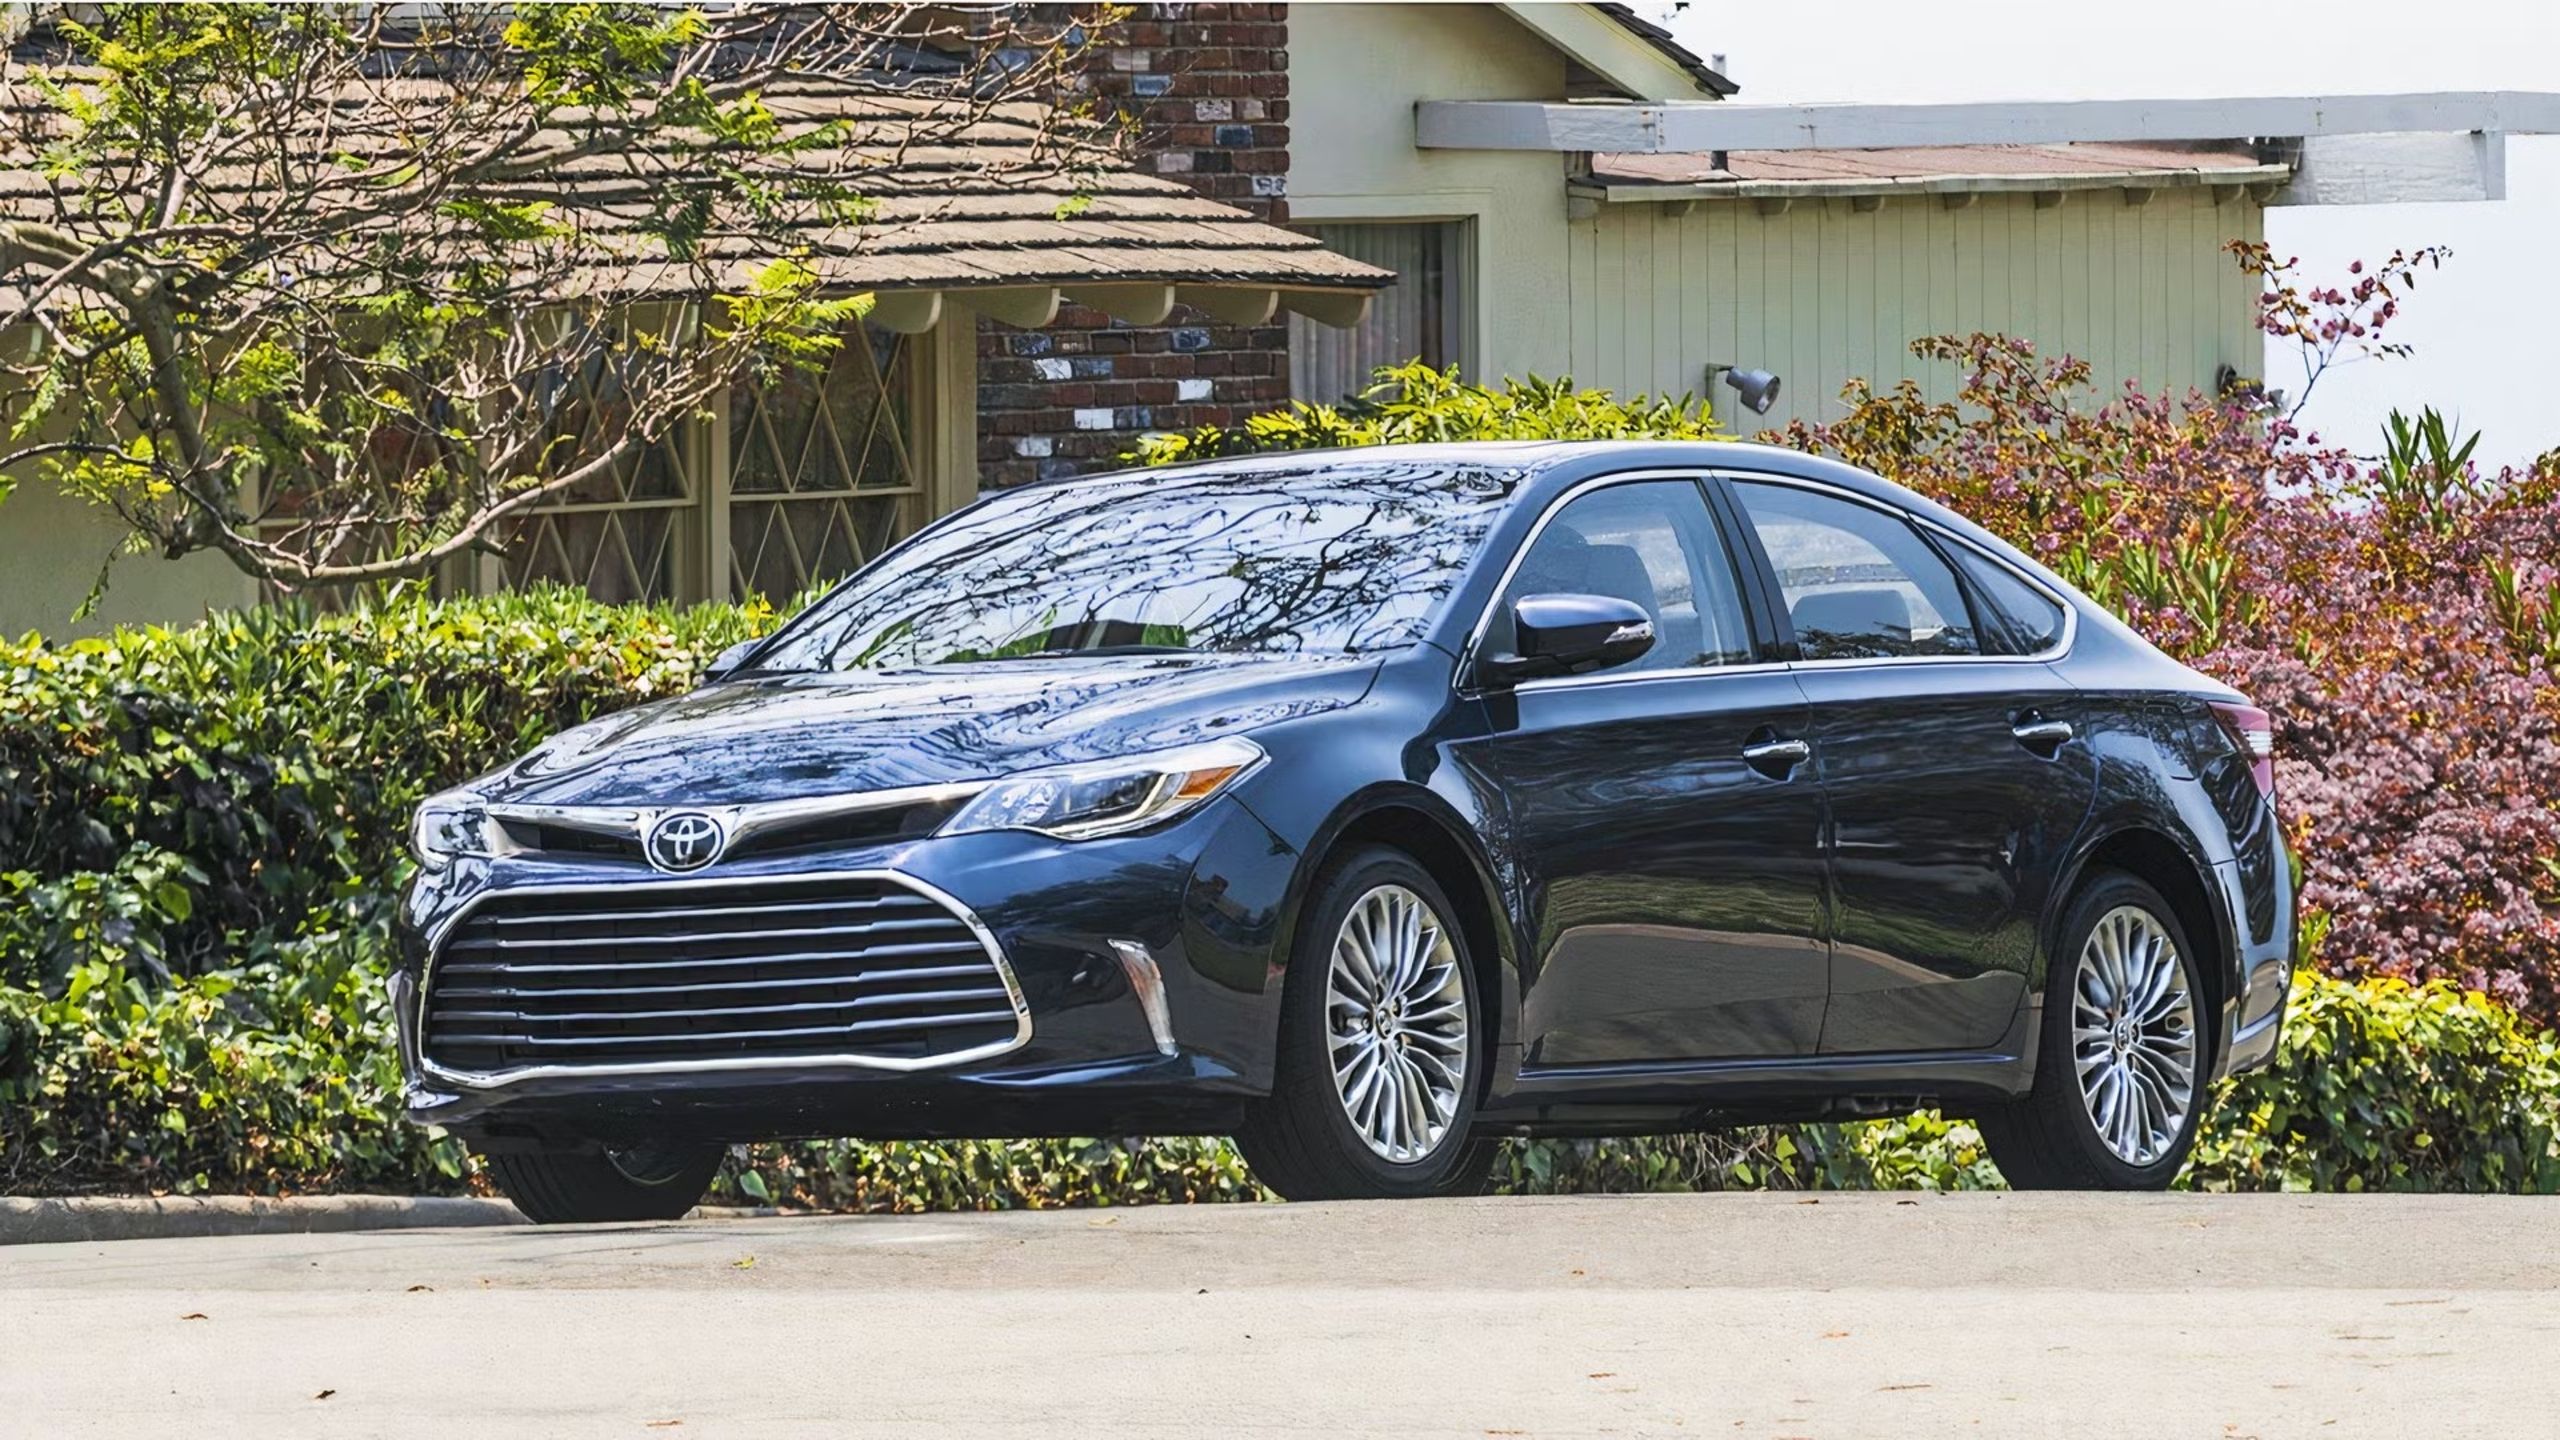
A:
(1320, 560)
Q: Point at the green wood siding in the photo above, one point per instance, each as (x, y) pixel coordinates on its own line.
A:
(1824, 291)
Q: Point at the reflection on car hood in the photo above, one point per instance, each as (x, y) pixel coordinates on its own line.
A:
(786, 736)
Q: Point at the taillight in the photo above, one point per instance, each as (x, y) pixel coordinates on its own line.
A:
(2255, 734)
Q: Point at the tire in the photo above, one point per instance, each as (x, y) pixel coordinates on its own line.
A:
(1303, 1140)
(2054, 1138)
(563, 1187)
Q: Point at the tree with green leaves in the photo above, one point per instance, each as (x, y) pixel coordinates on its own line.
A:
(341, 292)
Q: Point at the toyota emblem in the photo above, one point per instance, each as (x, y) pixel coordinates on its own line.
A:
(685, 840)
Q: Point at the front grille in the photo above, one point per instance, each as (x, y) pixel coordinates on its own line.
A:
(649, 974)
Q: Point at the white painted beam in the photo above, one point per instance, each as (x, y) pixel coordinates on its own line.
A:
(2390, 169)
(905, 312)
(1234, 304)
(1728, 125)
(1340, 309)
(1025, 307)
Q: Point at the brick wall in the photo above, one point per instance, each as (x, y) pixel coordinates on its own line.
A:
(1209, 88)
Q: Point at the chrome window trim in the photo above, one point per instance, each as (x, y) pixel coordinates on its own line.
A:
(495, 1079)
(738, 823)
(1466, 684)
(2070, 612)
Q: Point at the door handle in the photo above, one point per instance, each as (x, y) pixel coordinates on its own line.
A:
(2039, 734)
(1776, 758)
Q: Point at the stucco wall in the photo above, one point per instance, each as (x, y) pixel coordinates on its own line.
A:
(1355, 72)
(51, 546)
(1825, 291)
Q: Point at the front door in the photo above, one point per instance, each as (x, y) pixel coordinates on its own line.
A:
(1954, 787)
(1666, 821)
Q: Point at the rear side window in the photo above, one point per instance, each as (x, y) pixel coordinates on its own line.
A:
(2018, 619)
(1859, 584)
(1649, 541)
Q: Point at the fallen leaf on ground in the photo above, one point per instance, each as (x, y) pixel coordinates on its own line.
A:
(743, 1262)
(195, 1315)
(325, 1394)
(664, 1424)
(414, 1289)
(1604, 1374)
(1835, 1334)
(1921, 1386)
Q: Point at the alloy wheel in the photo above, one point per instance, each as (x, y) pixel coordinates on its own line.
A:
(2133, 1035)
(1396, 1023)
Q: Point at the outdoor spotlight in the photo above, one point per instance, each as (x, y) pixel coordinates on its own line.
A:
(1758, 388)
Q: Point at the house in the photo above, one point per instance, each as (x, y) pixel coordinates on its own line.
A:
(1548, 188)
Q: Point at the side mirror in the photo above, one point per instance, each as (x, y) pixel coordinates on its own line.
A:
(727, 662)
(1570, 635)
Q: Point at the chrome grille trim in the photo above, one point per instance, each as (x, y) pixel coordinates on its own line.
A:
(740, 824)
(1006, 994)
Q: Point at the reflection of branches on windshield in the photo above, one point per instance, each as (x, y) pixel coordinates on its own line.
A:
(1330, 561)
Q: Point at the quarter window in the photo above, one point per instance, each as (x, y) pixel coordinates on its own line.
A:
(2018, 619)
(1649, 541)
(1859, 583)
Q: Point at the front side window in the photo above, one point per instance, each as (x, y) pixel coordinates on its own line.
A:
(1649, 541)
(1858, 583)
(1330, 560)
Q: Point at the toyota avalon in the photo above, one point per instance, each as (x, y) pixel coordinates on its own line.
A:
(1371, 806)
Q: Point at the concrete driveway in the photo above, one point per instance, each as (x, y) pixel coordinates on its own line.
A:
(1742, 1315)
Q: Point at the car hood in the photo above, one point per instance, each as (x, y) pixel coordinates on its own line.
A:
(781, 737)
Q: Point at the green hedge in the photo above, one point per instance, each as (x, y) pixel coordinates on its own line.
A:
(201, 836)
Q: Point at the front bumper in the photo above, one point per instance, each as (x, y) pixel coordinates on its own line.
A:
(1201, 898)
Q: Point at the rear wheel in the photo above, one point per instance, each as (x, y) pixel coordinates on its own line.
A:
(1373, 1094)
(2120, 1071)
(653, 1182)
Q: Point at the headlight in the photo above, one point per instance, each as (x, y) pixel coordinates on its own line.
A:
(1108, 797)
(449, 826)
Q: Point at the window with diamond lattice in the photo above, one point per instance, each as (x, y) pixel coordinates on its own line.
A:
(626, 534)
(821, 475)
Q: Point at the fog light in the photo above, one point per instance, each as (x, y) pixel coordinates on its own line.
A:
(1147, 982)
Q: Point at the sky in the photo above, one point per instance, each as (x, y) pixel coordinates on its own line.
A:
(2486, 328)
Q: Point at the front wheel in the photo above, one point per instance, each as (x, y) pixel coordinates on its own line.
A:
(558, 1187)
(1373, 1094)
(2120, 1066)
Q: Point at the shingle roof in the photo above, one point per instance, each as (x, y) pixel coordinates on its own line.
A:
(1672, 50)
(994, 205)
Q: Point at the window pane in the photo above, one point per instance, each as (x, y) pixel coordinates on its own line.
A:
(2022, 620)
(1418, 319)
(1649, 541)
(1859, 583)
(820, 476)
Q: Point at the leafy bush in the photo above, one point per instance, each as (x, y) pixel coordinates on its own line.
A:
(2380, 1085)
(1415, 404)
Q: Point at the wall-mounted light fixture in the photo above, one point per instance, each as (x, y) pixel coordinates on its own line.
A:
(1758, 388)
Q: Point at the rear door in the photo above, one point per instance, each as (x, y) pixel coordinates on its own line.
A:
(1665, 818)
(1954, 783)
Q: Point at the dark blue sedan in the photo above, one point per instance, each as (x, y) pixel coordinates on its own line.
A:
(1371, 806)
